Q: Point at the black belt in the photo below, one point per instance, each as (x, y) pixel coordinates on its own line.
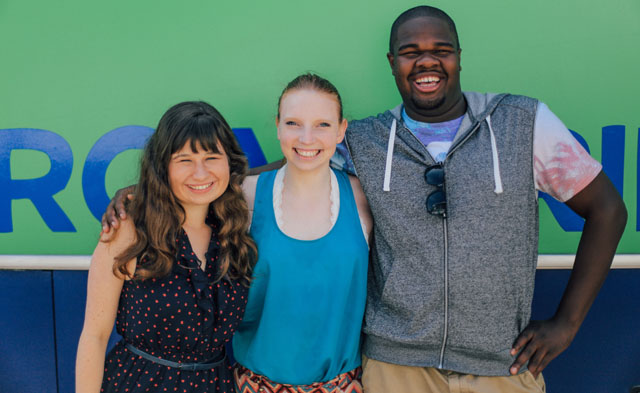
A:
(206, 365)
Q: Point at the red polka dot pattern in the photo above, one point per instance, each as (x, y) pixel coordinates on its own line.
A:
(184, 317)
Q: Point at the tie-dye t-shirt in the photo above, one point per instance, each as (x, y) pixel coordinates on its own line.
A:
(562, 167)
(436, 137)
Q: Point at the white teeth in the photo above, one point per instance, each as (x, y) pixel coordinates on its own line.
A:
(307, 153)
(201, 187)
(428, 79)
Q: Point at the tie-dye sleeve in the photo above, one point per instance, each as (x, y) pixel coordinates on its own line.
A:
(562, 167)
(341, 159)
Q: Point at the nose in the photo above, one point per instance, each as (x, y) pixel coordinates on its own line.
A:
(306, 135)
(427, 59)
(199, 170)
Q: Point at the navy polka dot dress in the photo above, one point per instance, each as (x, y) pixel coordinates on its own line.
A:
(184, 317)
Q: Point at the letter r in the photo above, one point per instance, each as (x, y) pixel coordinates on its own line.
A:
(39, 190)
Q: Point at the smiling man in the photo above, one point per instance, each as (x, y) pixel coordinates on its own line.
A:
(452, 180)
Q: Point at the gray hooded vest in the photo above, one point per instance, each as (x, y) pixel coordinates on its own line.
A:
(454, 292)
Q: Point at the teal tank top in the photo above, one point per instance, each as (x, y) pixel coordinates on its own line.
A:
(306, 303)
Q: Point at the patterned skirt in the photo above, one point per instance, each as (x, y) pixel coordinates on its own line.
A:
(249, 382)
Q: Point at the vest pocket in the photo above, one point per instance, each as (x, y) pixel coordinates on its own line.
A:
(486, 318)
(408, 309)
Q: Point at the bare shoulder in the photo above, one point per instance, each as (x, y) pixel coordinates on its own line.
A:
(357, 191)
(361, 202)
(106, 251)
(249, 190)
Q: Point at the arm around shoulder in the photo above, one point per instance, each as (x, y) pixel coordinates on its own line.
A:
(103, 293)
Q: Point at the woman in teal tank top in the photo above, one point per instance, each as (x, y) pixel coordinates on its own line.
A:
(301, 328)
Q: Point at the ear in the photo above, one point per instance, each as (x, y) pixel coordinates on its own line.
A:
(391, 60)
(341, 130)
(460, 59)
(277, 128)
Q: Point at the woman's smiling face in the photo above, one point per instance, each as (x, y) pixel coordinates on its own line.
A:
(309, 127)
(198, 177)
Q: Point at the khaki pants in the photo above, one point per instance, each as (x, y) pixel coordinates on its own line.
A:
(381, 377)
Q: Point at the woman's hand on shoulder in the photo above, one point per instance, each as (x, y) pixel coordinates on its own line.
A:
(364, 212)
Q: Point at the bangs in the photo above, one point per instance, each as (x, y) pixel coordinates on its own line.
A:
(202, 130)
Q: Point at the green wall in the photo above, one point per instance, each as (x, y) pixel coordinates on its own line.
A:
(81, 69)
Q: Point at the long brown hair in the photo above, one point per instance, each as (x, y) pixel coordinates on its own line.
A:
(156, 212)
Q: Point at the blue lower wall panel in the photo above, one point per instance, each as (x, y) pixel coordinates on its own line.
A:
(604, 357)
(70, 289)
(27, 351)
(605, 354)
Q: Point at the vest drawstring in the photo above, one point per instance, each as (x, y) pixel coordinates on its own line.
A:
(387, 167)
(496, 161)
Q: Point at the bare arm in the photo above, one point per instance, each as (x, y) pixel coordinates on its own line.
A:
(249, 191)
(103, 293)
(364, 212)
(605, 218)
(267, 167)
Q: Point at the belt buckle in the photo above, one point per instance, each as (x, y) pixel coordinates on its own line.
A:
(187, 367)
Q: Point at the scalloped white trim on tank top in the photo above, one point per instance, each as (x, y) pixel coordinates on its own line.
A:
(278, 186)
(334, 199)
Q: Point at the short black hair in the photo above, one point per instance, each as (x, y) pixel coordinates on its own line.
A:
(421, 11)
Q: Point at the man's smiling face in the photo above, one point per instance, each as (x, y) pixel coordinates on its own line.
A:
(426, 65)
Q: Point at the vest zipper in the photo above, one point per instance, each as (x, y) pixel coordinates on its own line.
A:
(460, 143)
(445, 333)
(446, 293)
(445, 329)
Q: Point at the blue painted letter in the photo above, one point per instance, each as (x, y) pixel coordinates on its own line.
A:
(40, 190)
(100, 156)
(613, 154)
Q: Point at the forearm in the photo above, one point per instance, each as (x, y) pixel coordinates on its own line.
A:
(267, 167)
(605, 217)
(90, 363)
(600, 237)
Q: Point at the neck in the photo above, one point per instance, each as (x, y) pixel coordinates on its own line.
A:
(195, 216)
(455, 110)
(307, 182)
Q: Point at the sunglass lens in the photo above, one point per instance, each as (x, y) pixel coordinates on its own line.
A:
(436, 203)
(435, 176)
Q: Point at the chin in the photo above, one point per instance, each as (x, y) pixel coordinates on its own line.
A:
(423, 104)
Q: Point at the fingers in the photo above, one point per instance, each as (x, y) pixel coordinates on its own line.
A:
(105, 225)
(522, 359)
(523, 341)
(119, 205)
(106, 237)
(538, 361)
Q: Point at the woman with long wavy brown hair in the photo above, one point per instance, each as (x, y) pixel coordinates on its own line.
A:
(175, 278)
